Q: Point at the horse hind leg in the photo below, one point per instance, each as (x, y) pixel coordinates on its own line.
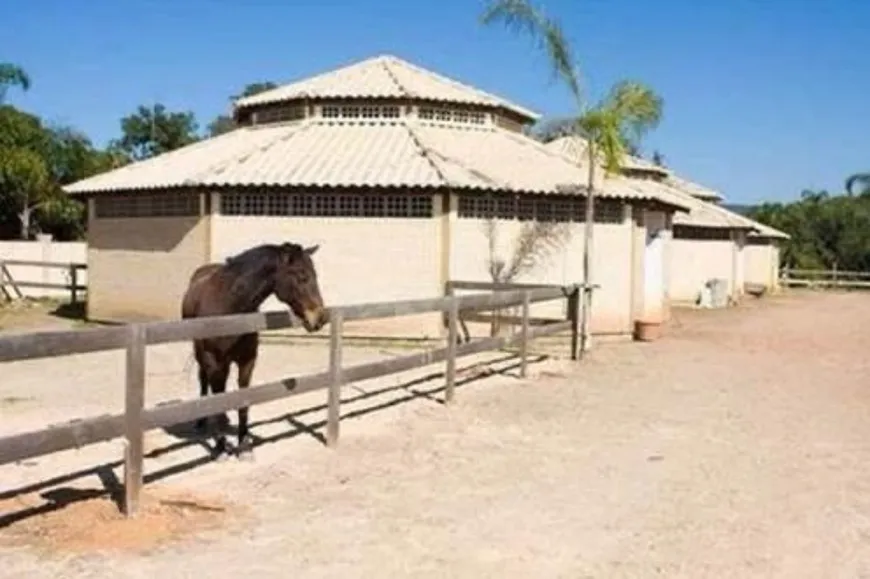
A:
(218, 382)
(202, 423)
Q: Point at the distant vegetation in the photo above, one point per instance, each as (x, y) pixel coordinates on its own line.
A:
(826, 229)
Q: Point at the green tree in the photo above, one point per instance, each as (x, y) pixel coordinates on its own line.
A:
(610, 128)
(826, 230)
(225, 123)
(24, 173)
(25, 180)
(36, 161)
(151, 131)
(12, 75)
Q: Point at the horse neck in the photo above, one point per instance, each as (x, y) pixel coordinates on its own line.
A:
(251, 287)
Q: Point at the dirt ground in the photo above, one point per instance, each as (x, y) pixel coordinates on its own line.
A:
(736, 446)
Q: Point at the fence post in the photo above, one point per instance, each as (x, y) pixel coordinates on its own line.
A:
(333, 416)
(134, 403)
(524, 336)
(574, 318)
(452, 335)
(74, 282)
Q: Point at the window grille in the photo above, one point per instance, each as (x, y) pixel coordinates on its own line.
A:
(133, 205)
(279, 204)
(537, 208)
(280, 114)
(704, 233)
(368, 112)
(451, 115)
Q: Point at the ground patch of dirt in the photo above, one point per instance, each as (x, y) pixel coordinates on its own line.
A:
(30, 315)
(80, 521)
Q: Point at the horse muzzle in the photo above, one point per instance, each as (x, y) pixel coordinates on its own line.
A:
(315, 319)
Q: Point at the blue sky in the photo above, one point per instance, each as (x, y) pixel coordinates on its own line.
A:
(762, 97)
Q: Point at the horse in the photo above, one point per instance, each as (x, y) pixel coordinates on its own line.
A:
(240, 285)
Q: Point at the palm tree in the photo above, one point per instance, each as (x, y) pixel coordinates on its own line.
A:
(611, 127)
(862, 179)
(12, 75)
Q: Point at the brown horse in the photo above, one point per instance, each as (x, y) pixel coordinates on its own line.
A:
(238, 286)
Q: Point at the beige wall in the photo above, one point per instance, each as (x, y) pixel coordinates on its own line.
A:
(611, 267)
(360, 260)
(762, 264)
(694, 261)
(139, 268)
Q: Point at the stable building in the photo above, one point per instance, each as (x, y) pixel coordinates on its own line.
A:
(405, 178)
(708, 242)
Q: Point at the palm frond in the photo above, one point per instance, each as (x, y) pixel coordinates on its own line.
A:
(520, 16)
(862, 179)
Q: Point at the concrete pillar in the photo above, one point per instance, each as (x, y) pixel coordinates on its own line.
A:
(738, 265)
(654, 264)
(638, 248)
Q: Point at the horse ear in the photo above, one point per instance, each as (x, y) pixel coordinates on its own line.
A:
(312, 250)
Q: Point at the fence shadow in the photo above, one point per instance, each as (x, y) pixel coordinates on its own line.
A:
(58, 493)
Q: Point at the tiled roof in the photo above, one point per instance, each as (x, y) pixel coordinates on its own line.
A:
(702, 213)
(694, 189)
(706, 214)
(384, 76)
(402, 152)
(573, 146)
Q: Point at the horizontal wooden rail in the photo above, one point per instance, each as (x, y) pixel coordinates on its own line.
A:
(66, 342)
(495, 286)
(840, 283)
(53, 264)
(103, 428)
(507, 320)
(42, 285)
(827, 272)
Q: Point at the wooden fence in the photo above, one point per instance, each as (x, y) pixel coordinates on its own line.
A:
(825, 278)
(134, 338)
(11, 287)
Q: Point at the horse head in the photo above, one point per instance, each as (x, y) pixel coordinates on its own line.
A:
(296, 285)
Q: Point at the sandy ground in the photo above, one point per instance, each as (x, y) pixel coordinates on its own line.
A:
(736, 446)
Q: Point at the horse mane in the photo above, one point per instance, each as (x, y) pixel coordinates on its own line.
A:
(253, 258)
(259, 257)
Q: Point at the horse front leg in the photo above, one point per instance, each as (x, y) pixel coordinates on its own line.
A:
(245, 448)
(218, 381)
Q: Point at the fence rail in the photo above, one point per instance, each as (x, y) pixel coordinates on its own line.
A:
(134, 338)
(825, 278)
(11, 287)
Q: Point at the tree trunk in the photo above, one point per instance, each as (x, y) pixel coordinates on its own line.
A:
(24, 217)
(586, 310)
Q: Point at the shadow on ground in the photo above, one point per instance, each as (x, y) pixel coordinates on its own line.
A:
(55, 495)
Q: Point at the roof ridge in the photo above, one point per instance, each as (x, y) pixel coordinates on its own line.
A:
(424, 152)
(385, 63)
(456, 83)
